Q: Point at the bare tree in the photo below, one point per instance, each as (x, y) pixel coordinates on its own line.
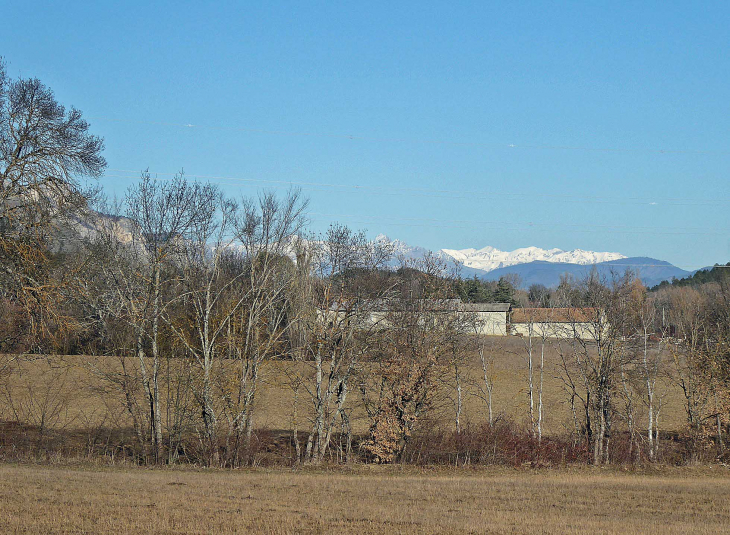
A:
(456, 379)
(527, 341)
(423, 324)
(344, 330)
(45, 152)
(113, 294)
(476, 325)
(643, 309)
(486, 388)
(535, 328)
(340, 326)
(164, 216)
(201, 313)
(688, 316)
(699, 319)
(261, 302)
(129, 288)
(590, 348)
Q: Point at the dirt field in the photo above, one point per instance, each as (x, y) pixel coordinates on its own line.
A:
(77, 397)
(37, 499)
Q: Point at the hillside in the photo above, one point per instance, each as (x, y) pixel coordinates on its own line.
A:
(650, 270)
(716, 273)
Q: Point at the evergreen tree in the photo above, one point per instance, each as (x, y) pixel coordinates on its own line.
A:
(505, 292)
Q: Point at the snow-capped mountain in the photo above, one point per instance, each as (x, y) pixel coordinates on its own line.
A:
(533, 265)
(489, 258)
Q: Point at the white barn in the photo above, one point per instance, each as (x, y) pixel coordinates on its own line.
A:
(491, 317)
(554, 322)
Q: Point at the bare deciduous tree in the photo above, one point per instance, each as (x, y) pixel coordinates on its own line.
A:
(423, 324)
(341, 326)
(263, 315)
(591, 351)
(642, 308)
(45, 152)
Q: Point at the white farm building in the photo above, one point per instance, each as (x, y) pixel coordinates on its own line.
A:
(490, 319)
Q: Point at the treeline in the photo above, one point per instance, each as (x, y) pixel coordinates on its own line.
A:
(194, 293)
(475, 290)
(191, 294)
(716, 274)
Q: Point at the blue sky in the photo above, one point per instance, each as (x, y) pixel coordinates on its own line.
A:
(593, 125)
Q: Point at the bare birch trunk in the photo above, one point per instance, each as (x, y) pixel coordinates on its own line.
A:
(342, 396)
(147, 390)
(315, 436)
(295, 424)
(157, 416)
(539, 390)
(649, 399)
(458, 398)
(488, 384)
(530, 385)
(250, 409)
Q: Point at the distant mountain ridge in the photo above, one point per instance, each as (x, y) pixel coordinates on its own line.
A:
(490, 258)
(650, 270)
(534, 265)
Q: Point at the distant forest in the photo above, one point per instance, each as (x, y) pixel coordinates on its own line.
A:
(718, 274)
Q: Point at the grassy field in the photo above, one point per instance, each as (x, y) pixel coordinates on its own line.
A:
(78, 397)
(38, 499)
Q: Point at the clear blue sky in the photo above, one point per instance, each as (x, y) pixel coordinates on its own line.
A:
(433, 95)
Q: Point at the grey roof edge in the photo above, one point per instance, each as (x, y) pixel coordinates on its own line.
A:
(486, 307)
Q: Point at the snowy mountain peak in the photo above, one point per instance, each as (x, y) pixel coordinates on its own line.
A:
(479, 262)
(490, 258)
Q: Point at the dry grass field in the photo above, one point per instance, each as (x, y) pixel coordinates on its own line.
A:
(42, 499)
(80, 398)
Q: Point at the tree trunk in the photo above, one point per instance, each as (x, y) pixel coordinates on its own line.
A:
(487, 384)
(315, 436)
(530, 392)
(539, 390)
(458, 398)
(250, 403)
(295, 425)
(147, 390)
(649, 400)
(157, 415)
(209, 420)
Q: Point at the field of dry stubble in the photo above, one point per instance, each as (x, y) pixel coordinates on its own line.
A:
(57, 499)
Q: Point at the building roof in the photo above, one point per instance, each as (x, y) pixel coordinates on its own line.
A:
(395, 304)
(553, 315)
(486, 307)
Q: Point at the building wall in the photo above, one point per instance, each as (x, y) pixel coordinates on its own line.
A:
(492, 323)
(553, 330)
